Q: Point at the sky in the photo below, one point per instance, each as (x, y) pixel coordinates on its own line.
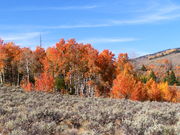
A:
(136, 27)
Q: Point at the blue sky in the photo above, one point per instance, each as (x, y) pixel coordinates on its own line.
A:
(137, 27)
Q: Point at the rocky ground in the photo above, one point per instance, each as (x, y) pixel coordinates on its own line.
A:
(38, 113)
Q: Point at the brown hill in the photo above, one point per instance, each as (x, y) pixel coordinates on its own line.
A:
(170, 57)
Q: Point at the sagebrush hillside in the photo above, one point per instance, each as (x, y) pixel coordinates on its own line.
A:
(172, 55)
(40, 113)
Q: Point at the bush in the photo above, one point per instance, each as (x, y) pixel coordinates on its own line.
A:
(59, 83)
(44, 83)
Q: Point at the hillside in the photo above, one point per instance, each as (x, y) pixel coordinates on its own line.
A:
(172, 55)
(30, 113)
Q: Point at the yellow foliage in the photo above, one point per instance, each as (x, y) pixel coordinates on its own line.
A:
(160, 91)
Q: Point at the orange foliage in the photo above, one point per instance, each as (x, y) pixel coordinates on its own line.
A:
(26, 85)
(39, 56)
(105, 62)
(44, 83)
(126, 86)
(161, 91)
(123, 64)
(178, 96)
(3, 56)
(84, 70)
(154, 94)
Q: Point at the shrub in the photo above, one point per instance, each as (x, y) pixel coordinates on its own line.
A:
(59, 83)
(44, 83)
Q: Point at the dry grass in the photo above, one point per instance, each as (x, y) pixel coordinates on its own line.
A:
(37, 113)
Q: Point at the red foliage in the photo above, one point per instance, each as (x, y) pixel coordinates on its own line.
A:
(126, 86)
(26, 85)
(84, 71)
(105, 62)
(44, 83)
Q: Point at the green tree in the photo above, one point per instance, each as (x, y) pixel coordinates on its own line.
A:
(60, 83)
(143, 79)
(171, 78)
(143, 68)
(152, 76)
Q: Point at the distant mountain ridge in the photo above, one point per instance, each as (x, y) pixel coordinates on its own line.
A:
(159, 54)
(156, 59)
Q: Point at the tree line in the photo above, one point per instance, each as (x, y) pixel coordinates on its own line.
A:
(76, 68)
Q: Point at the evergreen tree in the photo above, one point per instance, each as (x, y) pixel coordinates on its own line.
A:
(152, 76)
(143, 68)
(171, 78)
(166, 79)
(59, 82)
(143, 78)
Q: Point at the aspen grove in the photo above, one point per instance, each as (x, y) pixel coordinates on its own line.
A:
(78, 69)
